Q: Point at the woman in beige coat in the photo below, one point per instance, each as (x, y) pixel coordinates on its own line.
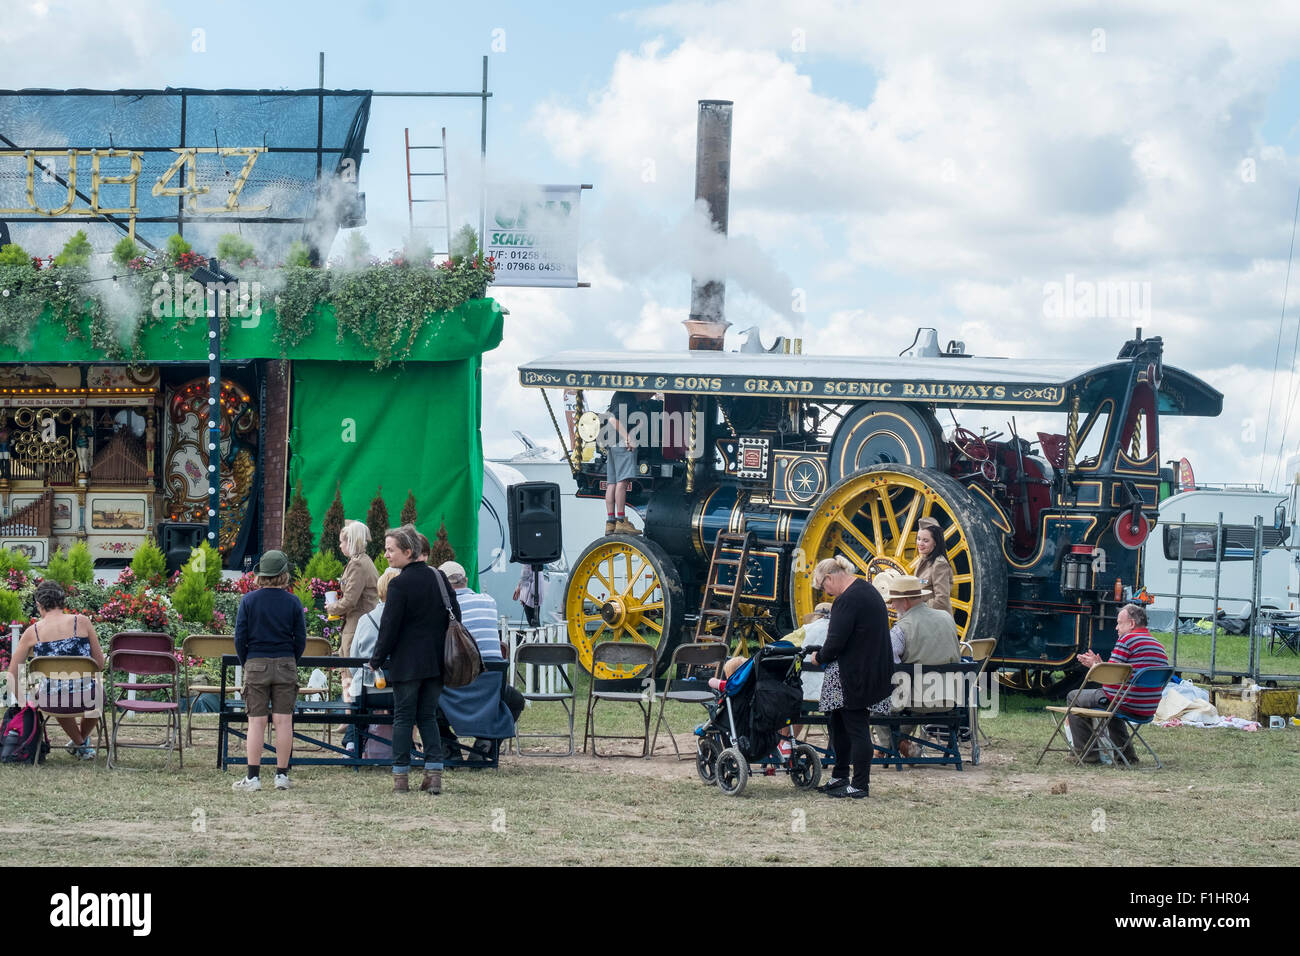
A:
(358, 591)
(933, 568)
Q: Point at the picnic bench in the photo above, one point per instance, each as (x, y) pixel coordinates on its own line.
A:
(372, 707)
(950, 695)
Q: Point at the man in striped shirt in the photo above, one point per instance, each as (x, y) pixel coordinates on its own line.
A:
(479, 615)
(1137, 648)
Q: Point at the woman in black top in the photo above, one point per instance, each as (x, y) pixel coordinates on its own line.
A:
(412, 634)
(858, 639)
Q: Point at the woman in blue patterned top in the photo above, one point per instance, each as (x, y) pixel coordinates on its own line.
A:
(62, 634)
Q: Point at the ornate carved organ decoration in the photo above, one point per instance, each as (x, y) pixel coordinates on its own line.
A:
(75, 458)
(185, 470)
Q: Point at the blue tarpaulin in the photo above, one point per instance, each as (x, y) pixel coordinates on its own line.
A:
(296, 132)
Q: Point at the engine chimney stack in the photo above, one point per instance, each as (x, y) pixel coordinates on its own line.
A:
(706, 325)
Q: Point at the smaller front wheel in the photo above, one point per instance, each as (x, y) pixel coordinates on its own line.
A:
(706, 759)
(732, 771)
(805, 767)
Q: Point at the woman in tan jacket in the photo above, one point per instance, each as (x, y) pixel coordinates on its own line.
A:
(358, 585)
(933, 568)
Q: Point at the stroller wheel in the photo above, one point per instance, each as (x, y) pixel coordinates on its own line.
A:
(733, 772)
(706, 759)
(805, 767)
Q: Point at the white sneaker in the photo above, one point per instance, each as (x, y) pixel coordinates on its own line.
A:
(74, 749)
(87, 752)
(282, 781)
(248, 783)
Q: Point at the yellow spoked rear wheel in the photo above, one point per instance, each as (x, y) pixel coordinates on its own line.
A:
(871, 517)
(623, 588)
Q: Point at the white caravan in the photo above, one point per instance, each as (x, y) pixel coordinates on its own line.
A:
(1281, 551)
(582, 521)
(496, 575)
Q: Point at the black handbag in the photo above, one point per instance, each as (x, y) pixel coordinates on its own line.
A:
(461, 660)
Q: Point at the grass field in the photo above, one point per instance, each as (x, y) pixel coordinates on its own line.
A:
(1231, 653)
(1225, 798)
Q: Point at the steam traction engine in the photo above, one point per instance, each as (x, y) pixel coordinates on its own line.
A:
(764, 464)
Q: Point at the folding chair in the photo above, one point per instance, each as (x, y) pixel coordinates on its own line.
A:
(147, 663)
(466, 712)
(203, 647)
(137, 641)
(68, 668)
(688, 682)
(1149, 678)
(980, 651)
(1284, 636)
(1104, 673)
(560, 659)
(320, 647)
(628, 657)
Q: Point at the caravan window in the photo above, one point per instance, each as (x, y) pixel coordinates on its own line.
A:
(1198, 543)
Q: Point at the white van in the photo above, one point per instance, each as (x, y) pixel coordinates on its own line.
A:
(1281, 550)
(582, 522)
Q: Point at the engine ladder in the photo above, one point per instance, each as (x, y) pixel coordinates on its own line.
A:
(715, 592)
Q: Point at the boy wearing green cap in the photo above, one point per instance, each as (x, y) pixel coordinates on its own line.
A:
(270, 637)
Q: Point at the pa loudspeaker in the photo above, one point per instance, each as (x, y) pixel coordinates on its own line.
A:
(534, 511)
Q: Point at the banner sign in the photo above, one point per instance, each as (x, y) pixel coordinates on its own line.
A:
(532, 231)
(947, 393)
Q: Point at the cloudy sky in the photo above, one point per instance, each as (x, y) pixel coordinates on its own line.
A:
(894, 166)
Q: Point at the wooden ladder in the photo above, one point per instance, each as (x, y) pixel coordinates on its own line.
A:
(715, 593)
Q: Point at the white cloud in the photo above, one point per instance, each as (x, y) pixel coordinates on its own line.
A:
(66, 44)
(990, 150)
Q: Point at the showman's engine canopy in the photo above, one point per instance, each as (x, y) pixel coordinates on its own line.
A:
(803, 457)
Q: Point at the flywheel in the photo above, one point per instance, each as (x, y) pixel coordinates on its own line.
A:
(871, 517)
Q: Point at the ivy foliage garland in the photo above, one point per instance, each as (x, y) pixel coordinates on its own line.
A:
(27, 292)
(385, 305)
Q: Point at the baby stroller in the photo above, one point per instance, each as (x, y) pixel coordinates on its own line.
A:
(756, 701)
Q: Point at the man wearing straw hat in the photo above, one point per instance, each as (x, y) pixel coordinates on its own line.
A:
(923, 635)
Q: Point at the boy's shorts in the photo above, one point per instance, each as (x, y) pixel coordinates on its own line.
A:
(270, 685)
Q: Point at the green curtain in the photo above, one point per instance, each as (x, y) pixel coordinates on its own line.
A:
(413, 428)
